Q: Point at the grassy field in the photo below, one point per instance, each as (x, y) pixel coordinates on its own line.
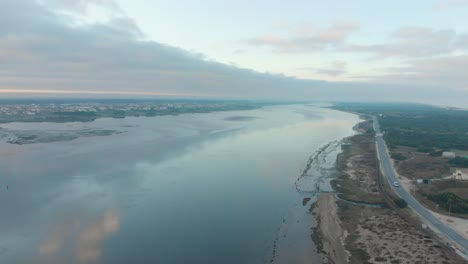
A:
(421, 165)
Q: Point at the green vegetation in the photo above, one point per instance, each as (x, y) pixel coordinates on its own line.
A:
(370, 131)
(427, 181)
(425, 149)
(459, 162)
(415, 125)
(450, 201)
(436, 153)
(400, 203)
(398, 156)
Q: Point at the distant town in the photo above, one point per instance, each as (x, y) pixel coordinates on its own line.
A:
(89, 110)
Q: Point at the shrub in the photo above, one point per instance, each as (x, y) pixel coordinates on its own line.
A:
(459, 162)
(400, 203)
(436, 153)
(425, 149)
(450, 201)
(398, 156)
(370, 131)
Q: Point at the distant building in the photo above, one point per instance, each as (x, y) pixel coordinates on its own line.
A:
(460, 174)
(448, 154)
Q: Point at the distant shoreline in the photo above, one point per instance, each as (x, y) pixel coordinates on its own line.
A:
(89, 111)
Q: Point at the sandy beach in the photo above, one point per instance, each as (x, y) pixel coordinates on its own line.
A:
(330, 232)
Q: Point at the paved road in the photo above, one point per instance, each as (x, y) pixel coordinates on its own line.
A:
(390, 174)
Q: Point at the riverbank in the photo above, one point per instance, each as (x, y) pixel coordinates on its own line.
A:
(329, 233)
(353, 233)
(292, 244)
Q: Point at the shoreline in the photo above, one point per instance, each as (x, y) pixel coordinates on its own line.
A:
(65, 111)
(328, 235)
(355, 233)
(291, 243)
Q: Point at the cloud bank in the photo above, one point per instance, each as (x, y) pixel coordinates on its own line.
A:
(43, 50)
(45, 46)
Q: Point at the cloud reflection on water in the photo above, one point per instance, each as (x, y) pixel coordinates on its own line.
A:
(77, 240)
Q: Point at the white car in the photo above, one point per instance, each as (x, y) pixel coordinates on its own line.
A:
(396, 184)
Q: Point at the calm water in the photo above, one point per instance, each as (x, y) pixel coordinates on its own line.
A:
(194, 188)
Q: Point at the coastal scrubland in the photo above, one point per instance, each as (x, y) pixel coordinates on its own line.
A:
(370, 231)
(417, 136)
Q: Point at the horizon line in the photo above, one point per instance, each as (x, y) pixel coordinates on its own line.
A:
(52, 91)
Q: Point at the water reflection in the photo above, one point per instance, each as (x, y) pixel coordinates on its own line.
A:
(208, 187)
(81, 239)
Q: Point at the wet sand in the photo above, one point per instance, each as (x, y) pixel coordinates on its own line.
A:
(329, 230)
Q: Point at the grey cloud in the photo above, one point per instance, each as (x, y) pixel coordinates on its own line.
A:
(410, 41)
(238, 51)
(331, 72)
(39, 49)
(336, 68)
(462, 42)
(82, 6)
(444, 73)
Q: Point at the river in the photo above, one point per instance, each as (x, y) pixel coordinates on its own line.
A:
(222, 187)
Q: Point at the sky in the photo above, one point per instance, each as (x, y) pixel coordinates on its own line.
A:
(304, 50)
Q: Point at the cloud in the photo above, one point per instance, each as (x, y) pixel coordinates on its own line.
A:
(269, 40)
(39, 50)
(462, 42)
(308, 38)
(440, 5)
(445, 73)
(82, 6)
(42, 51)
(335, 69)
(238, 51)
(406, 42)
(411, 42)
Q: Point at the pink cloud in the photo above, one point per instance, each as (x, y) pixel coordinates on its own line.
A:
(308, 38)
(269, 40)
